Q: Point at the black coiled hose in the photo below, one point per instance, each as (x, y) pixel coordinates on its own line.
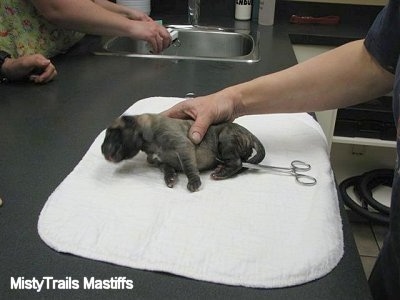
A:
(363, 186)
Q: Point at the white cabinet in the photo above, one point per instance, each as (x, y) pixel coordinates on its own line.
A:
(349, 156)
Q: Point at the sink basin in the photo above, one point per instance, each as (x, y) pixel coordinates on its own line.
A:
(193, 43)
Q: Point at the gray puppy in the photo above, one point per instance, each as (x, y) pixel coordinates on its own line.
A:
(165, 141)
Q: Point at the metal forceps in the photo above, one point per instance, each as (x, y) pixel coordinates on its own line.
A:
(295, 169)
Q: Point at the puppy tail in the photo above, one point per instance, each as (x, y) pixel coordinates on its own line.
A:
(259, 149)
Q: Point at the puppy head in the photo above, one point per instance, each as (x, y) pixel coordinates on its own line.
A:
(123, 139)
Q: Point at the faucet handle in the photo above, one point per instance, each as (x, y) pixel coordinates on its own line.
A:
(193, 11)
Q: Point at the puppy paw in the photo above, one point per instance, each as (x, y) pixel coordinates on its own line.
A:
(194, 184)
(223, 172)
(170, 179)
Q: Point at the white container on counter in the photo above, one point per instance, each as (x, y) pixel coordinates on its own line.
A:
(266, 12)
(243, 10)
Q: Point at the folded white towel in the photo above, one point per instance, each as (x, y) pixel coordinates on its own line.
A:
(257, 229)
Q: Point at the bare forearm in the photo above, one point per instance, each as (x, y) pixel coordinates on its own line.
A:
(344, 76)
(111, 6)
(84, 16)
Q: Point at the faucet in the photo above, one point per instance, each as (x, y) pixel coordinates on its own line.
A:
(194, 12)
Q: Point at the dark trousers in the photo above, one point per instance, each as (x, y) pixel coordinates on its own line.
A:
(385, 277)
(384, 280)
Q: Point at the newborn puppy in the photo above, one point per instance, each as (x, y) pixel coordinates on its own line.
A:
(166, 144)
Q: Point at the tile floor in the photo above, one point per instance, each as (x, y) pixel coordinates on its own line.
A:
(368, 236)
(369, 239)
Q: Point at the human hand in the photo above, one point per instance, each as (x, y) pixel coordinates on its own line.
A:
(205, 111)
(156, 35)
(22, 67)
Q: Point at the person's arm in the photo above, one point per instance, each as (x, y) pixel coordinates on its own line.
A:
(21, 68)
(123, 10)
(89, 17)
(341, 77)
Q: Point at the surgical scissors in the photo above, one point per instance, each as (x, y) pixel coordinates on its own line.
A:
(296, 167)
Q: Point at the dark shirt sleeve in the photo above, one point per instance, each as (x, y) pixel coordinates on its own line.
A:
(383, 39)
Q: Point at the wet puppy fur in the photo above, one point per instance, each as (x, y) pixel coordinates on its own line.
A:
(165, 141)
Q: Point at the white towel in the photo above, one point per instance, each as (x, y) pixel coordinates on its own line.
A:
(257, 229)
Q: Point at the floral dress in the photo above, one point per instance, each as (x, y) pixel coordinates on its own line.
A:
(24, 31)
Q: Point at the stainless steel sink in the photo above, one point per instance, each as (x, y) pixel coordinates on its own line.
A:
(195, 43)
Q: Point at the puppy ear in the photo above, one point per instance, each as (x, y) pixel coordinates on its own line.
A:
(129, 121)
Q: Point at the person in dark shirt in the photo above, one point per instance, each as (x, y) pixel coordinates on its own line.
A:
(353, 73)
